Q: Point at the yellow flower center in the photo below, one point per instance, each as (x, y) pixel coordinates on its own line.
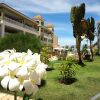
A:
(21, 80)
(22, 62)
(33, 81)
(12, 74)
(7, 62)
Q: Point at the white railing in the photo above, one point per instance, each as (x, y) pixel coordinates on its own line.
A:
(46, 35)
(19, 24)
(13, 21)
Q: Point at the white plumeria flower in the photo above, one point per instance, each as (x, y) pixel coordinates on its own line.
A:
(9, 83)
(3, 71)
(4, 61)
(21, 71)
(3, 55)
(29, 56)
(4, 58)
(13, 66)
(34, 78)
(10, 51)
(31, 65)
(29, 87)
(40, 69)
(22, 74)
(17, 57)
(36, 57)
(29, 52)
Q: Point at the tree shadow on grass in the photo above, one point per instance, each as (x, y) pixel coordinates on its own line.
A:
(67, 81)
(90, 60)
(49, 69)
(39, 99)
(43, 83)
(82, 64)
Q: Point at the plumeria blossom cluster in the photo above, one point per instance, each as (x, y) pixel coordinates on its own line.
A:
(21, 71)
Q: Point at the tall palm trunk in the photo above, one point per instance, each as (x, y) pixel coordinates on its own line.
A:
(78, 44)
(91, 49)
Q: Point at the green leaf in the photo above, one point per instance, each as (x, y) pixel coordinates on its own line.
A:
(26, 97)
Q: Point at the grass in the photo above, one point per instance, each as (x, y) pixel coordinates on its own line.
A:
(86, 86)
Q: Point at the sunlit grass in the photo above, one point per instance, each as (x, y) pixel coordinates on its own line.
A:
(86, 86)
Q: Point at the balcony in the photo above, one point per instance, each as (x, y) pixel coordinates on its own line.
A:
(20, 26)
(46, 35)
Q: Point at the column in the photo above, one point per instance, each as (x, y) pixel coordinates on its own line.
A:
(39, 28)
(2, 27)
(23, 22)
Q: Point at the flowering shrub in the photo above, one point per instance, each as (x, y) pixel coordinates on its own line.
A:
(21, 71)
(44, 55)
(72, 56)
(53, 58)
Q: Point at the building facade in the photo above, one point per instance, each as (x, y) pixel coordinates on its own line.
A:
(55, 42)
(12, 21)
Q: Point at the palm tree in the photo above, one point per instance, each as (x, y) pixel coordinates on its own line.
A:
(90, 32)
(76, 17)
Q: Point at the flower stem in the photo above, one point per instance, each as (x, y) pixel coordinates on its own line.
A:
(15, 96)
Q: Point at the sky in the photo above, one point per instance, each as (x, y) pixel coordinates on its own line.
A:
(56, 12)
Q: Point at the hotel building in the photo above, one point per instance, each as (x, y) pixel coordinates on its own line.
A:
(13, 21)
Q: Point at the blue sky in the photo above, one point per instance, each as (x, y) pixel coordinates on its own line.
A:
(56, 12)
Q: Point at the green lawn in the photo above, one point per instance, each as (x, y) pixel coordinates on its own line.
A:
(86, 86)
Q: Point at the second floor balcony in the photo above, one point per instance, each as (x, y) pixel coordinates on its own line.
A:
(20, 26)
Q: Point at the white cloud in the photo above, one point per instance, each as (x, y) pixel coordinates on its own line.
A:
(65, 27)
(40, 6)
(67, 41)
(48, 6)
(71, 41)
(95, 8)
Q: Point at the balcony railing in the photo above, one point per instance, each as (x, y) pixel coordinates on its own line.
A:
(19, 24)
(48, 36)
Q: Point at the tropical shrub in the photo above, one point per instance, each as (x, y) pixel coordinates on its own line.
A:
(68, 69)
(44, 54)
(21, 42)
(95, 51)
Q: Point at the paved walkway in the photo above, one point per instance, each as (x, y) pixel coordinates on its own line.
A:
(97, 96)
(5, 96)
